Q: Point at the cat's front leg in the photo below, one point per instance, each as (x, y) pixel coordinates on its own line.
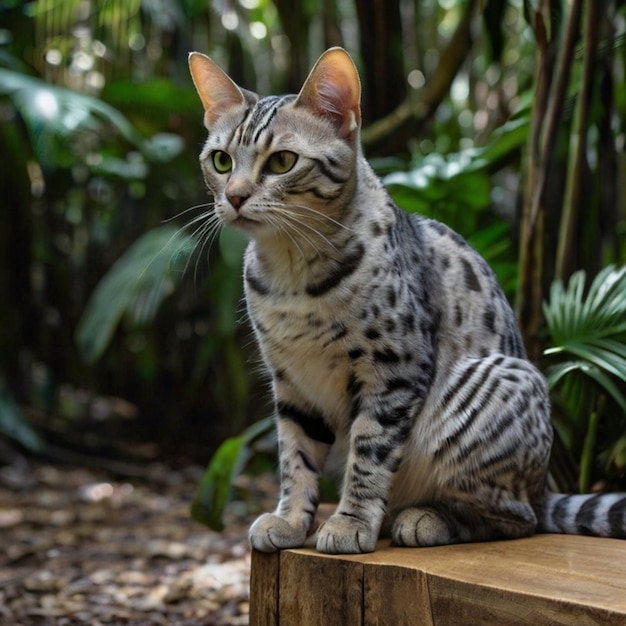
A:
(303, 445)
(376, 449)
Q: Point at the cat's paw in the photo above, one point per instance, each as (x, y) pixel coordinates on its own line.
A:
(420, 526)
(270, 533)
(345, 535)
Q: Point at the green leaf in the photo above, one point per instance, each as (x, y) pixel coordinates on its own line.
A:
(14, 425)
(163, 147)
(135, 286)
(573, 316)
(157, 94)
(555, 373)
(53, 114)
(215, 488)
(232, 244)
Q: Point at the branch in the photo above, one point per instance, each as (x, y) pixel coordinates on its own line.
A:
(546, 117)
(574, 189)
(435, 89)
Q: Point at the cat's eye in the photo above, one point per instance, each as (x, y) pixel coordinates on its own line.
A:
(281, 162)
(222, 161)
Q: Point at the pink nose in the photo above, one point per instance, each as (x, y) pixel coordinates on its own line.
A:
(237, 201)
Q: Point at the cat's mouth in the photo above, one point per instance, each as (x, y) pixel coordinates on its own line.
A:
(245, 223)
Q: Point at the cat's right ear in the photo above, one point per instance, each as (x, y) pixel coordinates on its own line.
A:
(333, 91)
(217, 91)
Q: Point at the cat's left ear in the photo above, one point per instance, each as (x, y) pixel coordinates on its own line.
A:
(333, 91)
(215, 88)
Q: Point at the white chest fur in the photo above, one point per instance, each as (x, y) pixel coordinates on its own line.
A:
(302, 342)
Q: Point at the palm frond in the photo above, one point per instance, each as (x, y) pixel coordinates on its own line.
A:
(135, 286)
(586, 363)
(573, 315)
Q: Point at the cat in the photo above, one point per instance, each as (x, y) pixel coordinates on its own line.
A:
(385, 334)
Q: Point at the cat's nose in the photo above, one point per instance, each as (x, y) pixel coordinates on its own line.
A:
(236, 201)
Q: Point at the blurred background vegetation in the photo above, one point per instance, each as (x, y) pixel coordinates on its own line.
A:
(122, 331)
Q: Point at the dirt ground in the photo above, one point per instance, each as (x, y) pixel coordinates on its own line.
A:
(78, 546)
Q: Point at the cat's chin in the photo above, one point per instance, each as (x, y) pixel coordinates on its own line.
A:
(246, 225)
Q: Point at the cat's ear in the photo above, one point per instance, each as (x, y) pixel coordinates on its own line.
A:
(333, 91)
(215, 88)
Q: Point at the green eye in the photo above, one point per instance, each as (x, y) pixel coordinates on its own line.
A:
(222, 161)
(281, 162)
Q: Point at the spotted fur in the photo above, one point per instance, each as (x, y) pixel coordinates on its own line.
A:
(386, 335)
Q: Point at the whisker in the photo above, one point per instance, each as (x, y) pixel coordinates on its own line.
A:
(206, 234)
(280, 225)
(204, 205)
(295, 220)
(203, 229)
(315, 213)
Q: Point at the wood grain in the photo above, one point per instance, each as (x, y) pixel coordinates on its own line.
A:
(264, 591)
(546, 580)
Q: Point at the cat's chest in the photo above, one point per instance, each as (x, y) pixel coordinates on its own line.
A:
(306, 343)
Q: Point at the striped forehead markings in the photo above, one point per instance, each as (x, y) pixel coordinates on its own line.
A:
(260, 117)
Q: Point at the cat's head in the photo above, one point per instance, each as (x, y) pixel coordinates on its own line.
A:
(281, 165)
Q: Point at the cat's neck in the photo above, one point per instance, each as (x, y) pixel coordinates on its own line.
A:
(290, 262)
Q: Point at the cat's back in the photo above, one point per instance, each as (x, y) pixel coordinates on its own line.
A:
(474, 315)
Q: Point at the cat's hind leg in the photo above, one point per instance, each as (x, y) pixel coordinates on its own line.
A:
(447, 523)
(487, 437)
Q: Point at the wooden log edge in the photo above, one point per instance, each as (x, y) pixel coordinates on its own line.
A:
(545, 580)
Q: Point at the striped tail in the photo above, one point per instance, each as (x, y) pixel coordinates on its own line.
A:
(603, 515)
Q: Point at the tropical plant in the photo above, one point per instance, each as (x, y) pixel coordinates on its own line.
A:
(14, 425)
(458, 189)
(134, 287)
(215, 489)
(585, 365)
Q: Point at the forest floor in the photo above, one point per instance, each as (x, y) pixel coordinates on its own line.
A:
(78, 546)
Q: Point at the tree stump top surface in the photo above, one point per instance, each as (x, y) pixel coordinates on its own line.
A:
(546, 579)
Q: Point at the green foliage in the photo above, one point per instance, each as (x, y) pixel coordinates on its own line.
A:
(54, 115)
(15, 426)
(586, 367)
(134, 287)
(456, 189)
(216, 487)
(100, 142)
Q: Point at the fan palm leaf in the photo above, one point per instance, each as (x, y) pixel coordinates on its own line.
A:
(587, 327)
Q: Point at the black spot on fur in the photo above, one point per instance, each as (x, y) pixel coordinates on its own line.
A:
(408, 322)
(397, 383)
(392, 416)
(489, 319)
(337, 331)
(308, 463)
(458, 314)
(314, 320)
(372, 333)
(311, 422)
(349, 265)
(255, 283)
(355, 353)
(386, 355)
(471, 280)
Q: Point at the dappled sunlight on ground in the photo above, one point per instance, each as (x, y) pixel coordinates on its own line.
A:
(82, 547)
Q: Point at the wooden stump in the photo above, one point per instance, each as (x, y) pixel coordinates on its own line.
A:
(539, 581)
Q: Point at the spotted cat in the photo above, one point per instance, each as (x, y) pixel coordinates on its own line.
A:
(385, 334)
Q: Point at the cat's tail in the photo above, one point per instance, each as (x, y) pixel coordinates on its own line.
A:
(602, 514)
